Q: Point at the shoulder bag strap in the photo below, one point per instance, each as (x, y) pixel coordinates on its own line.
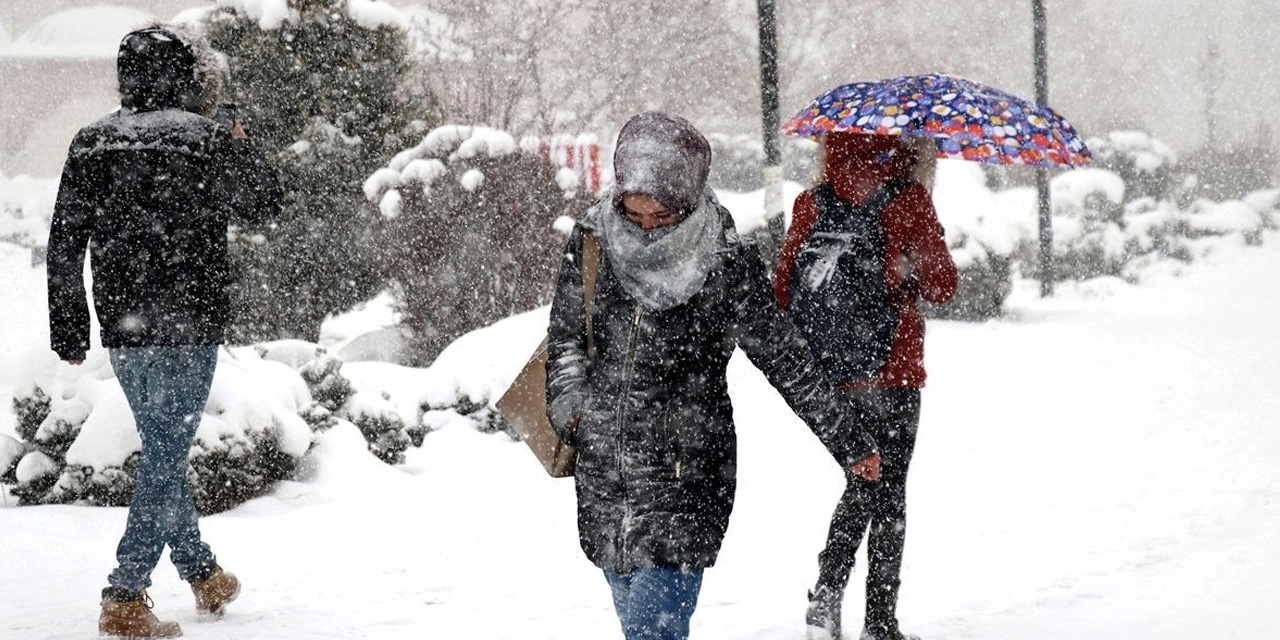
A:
(590, 269)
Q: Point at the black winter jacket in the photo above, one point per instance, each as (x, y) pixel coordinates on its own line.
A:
(656, 443)
(151, 194)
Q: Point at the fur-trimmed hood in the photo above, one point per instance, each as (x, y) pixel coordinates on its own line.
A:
(165, 66)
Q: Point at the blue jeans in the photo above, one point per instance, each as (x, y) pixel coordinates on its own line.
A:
(655, 603)
(166, 388)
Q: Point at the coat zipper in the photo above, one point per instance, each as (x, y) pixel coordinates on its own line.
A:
(632, 336)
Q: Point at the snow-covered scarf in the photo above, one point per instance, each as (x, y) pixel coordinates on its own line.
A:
(664, 267)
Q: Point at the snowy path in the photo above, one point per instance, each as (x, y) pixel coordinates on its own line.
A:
(1102, 465)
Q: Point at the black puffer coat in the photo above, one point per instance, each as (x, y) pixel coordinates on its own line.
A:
(150, 190)
(656, 443)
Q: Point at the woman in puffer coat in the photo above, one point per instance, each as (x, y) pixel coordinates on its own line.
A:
(649, 410)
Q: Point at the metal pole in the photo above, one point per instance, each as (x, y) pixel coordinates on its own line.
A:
(771, 235)
(1042, 174)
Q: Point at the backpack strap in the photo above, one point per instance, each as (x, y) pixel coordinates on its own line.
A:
(825, 197)
(885, 195)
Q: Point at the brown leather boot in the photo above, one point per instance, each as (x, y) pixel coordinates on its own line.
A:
(214, 593)
(133, 619)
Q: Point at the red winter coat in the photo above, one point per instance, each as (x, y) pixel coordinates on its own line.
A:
(856, 165)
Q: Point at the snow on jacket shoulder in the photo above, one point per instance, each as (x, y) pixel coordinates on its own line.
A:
(151, 194)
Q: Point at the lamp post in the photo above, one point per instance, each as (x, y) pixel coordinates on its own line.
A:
(771, 236)
(1041, 55)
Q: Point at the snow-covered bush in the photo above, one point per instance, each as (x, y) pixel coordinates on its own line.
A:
(1154, 230)
(1147, 167)
(335, 398)
(1118, 219)
(321, 87)
(1088, 224)
(84, 447)
(1267, 204)
(26, 207)
(1232, 217)
(469, 237)
(983, 231)
(382, 426)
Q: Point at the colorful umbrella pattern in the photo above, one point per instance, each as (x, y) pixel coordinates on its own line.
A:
(968, 120)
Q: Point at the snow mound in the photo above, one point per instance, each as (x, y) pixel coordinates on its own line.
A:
(391, 204)
(1149, 154)
(1232, 216)
(26, 208)
(1072, 190)
(471, 180)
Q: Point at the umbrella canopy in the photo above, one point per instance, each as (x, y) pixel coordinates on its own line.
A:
(967, 120)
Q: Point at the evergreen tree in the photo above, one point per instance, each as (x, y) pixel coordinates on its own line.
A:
(323, 94)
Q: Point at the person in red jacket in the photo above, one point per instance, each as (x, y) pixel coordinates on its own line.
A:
(917, 265)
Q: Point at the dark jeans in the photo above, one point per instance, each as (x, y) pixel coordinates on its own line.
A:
(655, 603)
(892, 416)
(166, 388)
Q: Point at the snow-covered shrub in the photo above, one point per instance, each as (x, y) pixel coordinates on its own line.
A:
(324, 378)
(1267, 204)
(1147, 167)
(1154, 230)
(1232, 217)
(382, 426)
(321, 86)
(86, 449)
(469, 237)
(11, 452)
(335, 398)
(983, 231)
(26, 207)
(1088, 224)
(31, 408)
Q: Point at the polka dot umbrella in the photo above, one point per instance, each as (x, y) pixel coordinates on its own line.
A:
(968, 120)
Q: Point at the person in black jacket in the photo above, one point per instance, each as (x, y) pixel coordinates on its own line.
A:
(649, 409)
(150, 190)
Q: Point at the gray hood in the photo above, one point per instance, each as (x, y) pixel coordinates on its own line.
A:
(662, 156)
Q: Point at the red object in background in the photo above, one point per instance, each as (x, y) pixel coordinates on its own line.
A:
(581, 154)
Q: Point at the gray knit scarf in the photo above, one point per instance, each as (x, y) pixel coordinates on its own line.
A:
(660, 268)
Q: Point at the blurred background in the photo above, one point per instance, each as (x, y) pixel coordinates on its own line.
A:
(1200, 75)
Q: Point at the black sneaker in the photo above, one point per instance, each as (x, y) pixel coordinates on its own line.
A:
(885, 631)
(822, 619)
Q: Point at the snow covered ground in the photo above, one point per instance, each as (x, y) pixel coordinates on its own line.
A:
(1097, 465)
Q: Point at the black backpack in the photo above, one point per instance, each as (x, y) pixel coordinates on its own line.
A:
(839, 298)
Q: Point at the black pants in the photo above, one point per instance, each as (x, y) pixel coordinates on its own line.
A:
(892, 416)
